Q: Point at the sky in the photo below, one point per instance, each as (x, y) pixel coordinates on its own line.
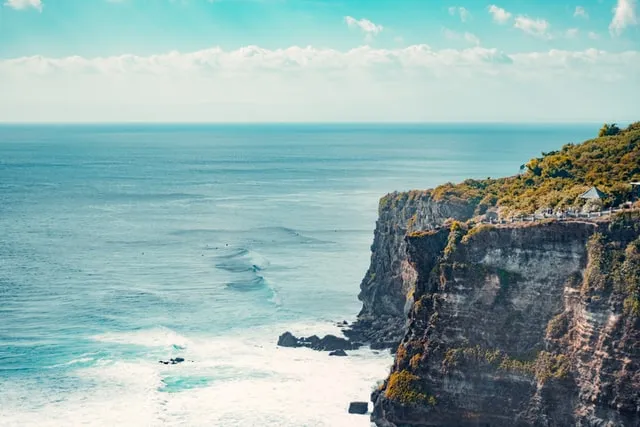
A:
(319, 61)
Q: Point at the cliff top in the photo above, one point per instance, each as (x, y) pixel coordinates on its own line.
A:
(556, 179)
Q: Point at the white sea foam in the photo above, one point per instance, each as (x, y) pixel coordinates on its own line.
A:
(80, 360)
(156, 337)
(249, 382)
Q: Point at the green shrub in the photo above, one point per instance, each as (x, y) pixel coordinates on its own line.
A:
(551, 366)
(404, 387)
(415, 361)
(498, 359)
(401, 353)
(608, 130)
(456, 233)
(557, 327)
(630, 278)
(632, 306)
(480, 228)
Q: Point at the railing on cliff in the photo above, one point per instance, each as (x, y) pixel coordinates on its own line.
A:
(559, 216)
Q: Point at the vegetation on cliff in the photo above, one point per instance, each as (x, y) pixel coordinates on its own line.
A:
(614, 263)
(544, 367)
(557, 178)
(404, 387)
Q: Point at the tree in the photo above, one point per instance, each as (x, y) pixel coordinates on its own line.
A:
(608, 130)
(535, 166)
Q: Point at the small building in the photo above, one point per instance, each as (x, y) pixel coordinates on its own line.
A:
(594, 200)
(593, 194)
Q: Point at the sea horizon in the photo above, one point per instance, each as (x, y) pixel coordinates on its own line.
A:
(318, 123)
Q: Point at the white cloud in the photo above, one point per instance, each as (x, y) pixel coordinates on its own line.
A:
(624, 15)
(572, 33)
(24, 4)
(217, 62)
(369, 28)
(466, 36)
(464, 13)
(500, 15)
(472, 38)
(534, 27)
(593, 36)
(313, 84)
(581, 12)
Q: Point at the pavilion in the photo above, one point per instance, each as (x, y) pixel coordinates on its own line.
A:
(593, 194)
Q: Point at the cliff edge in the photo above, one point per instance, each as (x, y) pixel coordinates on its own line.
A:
(554, 181)
(531, 325)
(386, 290)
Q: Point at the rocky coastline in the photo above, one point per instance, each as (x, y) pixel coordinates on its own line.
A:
(503, 323)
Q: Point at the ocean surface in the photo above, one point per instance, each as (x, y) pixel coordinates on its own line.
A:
(124, 245)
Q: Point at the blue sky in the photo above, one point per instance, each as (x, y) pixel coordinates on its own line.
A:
(296, 60)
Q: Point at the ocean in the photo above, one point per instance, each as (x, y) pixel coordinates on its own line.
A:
(121, 245)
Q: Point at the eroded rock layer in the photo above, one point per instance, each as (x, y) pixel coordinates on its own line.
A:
(535, 325)
(387, 288)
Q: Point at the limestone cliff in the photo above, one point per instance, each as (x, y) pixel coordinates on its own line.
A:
(512, 325)
(387, 288)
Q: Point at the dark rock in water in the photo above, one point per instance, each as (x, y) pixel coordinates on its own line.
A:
(311, 342)
(338, 353)
(328, 343)
(288, 340)
(358, 407)
(331, 342)
(172, 361)
(378, 337)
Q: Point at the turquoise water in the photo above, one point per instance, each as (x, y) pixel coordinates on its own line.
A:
(123, 245)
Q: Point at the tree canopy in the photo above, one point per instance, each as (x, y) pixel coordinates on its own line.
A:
(556, 179)
(608, 130)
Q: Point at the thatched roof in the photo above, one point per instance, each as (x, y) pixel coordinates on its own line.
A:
(593, 193)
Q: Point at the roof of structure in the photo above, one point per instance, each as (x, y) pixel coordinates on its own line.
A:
(593, 193)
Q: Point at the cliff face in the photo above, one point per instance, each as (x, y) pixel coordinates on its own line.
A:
(534, 325)
(387, 288)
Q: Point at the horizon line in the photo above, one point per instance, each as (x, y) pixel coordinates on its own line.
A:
(262, 123)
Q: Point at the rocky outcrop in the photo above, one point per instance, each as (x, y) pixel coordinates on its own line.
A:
(172, 361)
(358, 407)
(535, 325)
(387, 288)
(327, 343)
